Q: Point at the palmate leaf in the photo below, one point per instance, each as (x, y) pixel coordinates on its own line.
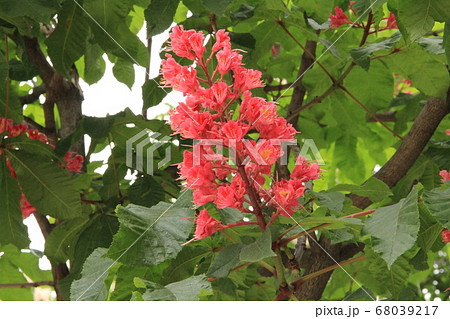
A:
(12, 229)
(91, 286)
(391, 277)
(159, 15)
(112, 15)
(260, 249)
(149, 236)
(394, 228)
(226, 259)
(61, 242)
(68, 42)
(438, 202)
(185, 290)
(185, 264)
(416, 17)
(46, 185)
(39, 10)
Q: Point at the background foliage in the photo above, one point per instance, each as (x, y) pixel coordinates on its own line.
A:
(121, 239)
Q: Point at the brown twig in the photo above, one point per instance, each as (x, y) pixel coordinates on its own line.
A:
(298, 283)
(311, 55)
(33, 96)
(366, 109)
(27, 284)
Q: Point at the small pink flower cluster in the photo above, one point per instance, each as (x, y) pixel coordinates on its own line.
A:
(73, 162)
(445, 233)
(340, 18)
(205, 115)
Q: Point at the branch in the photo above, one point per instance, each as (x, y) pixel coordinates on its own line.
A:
(279, 87)
(38, 58)
(297, 284)
(412, 146)
(27, 284)
(33, 96)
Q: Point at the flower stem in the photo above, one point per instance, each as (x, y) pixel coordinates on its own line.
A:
(252, 195)
(283, 242)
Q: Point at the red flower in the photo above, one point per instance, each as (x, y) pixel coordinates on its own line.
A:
(340, 18)
(286, 195)
(74, 163)
(391, 23)
(447, 131)
(187, 44)
(445, 176)
(26, 207)
(222, 41)
(206, 225)
(227, 60)
(446, 236)
(181, 78)
(305, 172)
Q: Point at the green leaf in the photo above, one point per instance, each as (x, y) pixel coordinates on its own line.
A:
(362, 55)
(226, 259)
(430, 229)
(411, 63)
(432, 45)
(9, 274)
(185, 264)
(446, 40)
(98, 233)
(159, 16)
(94, 64)
(67, 42)
(380, 81)
(186, 290)
(146, 191)
(149, 236)
(260, 249)
(46, 185)
(124, 72)
(12, 229)
(230, 215)
(394, 277)
(374, 189)
(416, 17)
(152, 93)
(361, 7)
(39, 10)
(319, 10)
(438, 202)
(27, 262)
(111, 15)
(332, 200)
(61, 241)
(245, 12)
(217, 7)
(26, 144)
(91, 285)
(394, 228)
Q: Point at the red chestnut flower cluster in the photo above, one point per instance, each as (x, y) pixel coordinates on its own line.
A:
(340, 18)
(445, 233)
(73, 162)
(213, 86)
